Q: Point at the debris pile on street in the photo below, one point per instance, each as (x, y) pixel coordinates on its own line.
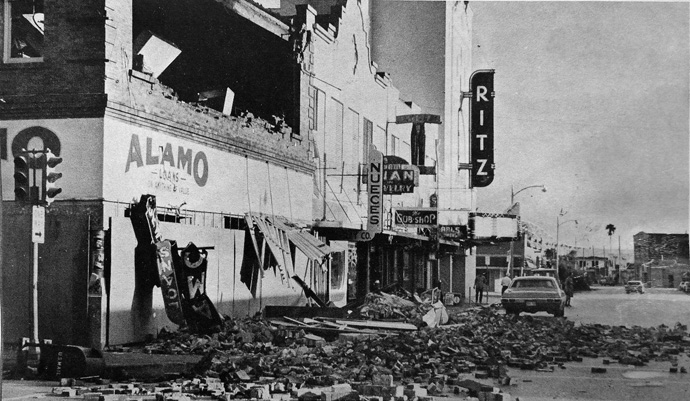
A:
(480, 340)
(419, 312)
(282, 358)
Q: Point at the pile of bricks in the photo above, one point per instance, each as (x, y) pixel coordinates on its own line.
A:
(484, 341)
(382, 388)
(251, 358)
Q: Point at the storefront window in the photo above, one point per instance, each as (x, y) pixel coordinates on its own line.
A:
(337, 270)
(24, 30)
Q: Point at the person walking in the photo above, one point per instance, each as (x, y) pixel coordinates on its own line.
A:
(505, 283)
(479, 284)
(569, 289)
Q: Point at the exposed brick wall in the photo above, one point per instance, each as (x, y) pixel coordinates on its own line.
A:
(252, 137)
(73, 63)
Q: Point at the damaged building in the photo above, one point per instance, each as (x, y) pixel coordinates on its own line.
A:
(245, 132)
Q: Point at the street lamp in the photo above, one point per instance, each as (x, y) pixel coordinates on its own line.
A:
(512, 202)
(558, 225)
(512, 194)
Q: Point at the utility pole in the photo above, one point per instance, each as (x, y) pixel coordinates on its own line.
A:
(2, 208)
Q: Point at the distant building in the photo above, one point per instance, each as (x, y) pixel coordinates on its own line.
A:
(661, 259)
(594, 267)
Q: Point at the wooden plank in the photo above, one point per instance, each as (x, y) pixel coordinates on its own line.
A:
(377, 324)
(297, 312)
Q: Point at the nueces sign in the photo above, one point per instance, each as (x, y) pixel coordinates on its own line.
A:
(482, 127)
(375, 191)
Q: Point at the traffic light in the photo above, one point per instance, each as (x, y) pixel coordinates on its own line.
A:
(22, 179)
(50, 176)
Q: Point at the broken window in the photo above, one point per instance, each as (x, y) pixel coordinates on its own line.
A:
(24, 30)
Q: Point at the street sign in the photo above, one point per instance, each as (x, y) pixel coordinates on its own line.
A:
(38, 224)
(416, 216)
(482, 127)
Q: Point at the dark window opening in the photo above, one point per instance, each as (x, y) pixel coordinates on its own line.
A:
(26, 28)
(234, 223)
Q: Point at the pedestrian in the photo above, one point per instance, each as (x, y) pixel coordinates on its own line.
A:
(437, 290)
(376, 288)
(568, 289)
(505, 283)
(479, 284)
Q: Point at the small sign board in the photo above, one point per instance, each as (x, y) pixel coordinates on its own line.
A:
(362, 236)
(38, 224)
(452, 231)
(416, 216)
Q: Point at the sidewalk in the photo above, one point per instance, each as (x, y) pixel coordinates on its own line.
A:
(489, 298)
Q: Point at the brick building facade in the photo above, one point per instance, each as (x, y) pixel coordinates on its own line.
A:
(221, 110)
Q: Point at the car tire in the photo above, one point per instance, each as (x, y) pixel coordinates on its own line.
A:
(512, 312)
(560, 312)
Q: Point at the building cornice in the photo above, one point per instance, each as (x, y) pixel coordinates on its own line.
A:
(52, 106)
(257, 150)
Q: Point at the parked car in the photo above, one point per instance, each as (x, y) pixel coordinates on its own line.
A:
(684, 286)
(534, 294)
(608, 280)
(634, 286)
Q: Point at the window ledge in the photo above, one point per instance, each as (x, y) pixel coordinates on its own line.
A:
(20, 65)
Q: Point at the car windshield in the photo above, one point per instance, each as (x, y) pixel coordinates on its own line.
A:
(533, 284)
(633, 283)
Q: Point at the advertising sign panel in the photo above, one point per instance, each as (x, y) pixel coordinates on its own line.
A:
(491, 225)
(399, 177)
(482, 127)
(375, 190)
(416, 217)
(455, 232)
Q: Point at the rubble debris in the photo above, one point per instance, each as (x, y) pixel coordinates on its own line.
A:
(281, 359)
(384, 306)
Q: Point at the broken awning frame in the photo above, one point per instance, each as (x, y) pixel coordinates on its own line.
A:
(276, 231)
(273, 240)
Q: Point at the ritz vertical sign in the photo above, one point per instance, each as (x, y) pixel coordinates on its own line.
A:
(482, 127)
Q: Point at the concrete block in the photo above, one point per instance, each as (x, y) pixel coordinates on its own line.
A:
(382, 380)
(91, 396)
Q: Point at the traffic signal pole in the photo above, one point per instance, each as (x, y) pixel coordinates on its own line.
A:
(35, 293)
(27, 191)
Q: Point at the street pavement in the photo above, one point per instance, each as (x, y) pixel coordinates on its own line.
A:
(611, 306)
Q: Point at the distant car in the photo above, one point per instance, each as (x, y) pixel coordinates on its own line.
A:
(634, 286)
(684, 286)
(534, 294)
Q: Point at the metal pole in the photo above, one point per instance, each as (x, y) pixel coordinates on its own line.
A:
(557, 227)
(35, 292)
(2, 355)
(325, 165)
(511, 268)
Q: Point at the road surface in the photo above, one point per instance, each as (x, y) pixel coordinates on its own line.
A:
(611, 306)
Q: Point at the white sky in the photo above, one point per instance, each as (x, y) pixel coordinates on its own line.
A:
(592, 101)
